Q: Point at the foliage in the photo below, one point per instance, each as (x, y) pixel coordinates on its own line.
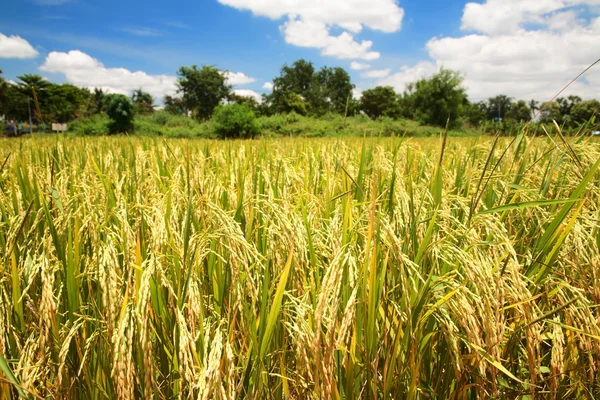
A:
(519, 112)
(294, 269)
(121, 110)
(3, 93)
(550, 112)
(475, 114)
(249, 101)
(302, 89)
(439, 99)
(144, 103)
(235, 121)
(97, 104)
(174, 105)
(380, 101)
(583, 111)
(202, 89)
(335, 90)
(95, 125)
(66, 102)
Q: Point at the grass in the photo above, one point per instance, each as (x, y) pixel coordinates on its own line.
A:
(378, 268)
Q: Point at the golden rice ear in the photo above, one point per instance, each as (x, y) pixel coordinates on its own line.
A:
(357, 268)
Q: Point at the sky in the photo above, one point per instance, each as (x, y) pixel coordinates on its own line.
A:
(526, 49)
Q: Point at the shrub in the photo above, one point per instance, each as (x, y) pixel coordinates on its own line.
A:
(235, 121)
(121, 111)
(96, 125)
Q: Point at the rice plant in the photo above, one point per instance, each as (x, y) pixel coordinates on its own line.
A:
(300, 269)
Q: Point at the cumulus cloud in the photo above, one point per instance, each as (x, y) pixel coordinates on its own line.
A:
(268, 86)
(16, 47)
(356, 94)
(408, 74)
(238, 78)
(505, 16)
(533, 54)
(376, 73)
(357, 66)
(316, 34)
(310, 22)
(248, 93)
(83, 70)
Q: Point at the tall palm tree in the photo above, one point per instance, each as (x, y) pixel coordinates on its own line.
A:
(30, 83)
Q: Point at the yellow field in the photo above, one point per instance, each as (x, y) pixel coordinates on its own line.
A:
(299, 269)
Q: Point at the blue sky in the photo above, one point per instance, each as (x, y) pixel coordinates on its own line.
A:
(497, 44)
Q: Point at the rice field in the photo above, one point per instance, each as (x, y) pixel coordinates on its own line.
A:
(300, 269)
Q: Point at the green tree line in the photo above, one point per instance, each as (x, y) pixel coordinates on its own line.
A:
(300, 88)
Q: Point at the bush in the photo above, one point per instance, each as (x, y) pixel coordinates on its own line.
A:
(235, 121)
(121, 111)
(96, 125)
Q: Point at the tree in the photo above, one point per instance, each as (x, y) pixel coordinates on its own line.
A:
(15, 105)
(498, 107)
(247, 100)
(550, 112)
(174, 105)
(475, 113)
(439, 98)
(29, 84)
(97, 103)
(202, 89)
(144, 102)
(335, 91)
(294, 90)
(121, 111)
(380, 101)
(583, 111)
(66, 102)
(533, 106)
(300, 88)
(3, 93)
(519, 112)
(235, 121)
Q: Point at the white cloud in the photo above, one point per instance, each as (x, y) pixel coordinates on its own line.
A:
(534, 54)
(316, 34)
(82, 70)
(376, 73)
(16, 47)
(383, 15)
(268, 86)
(248, 93)
(356, 94)
(407, 75)
(357, 66)
(238, 78)
(506, 16)
(310, 22)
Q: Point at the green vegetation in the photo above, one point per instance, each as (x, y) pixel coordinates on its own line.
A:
(165, 124)
(377, 268)
(235, 121)
(322, 95)
(121, 110)
(203, 90)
